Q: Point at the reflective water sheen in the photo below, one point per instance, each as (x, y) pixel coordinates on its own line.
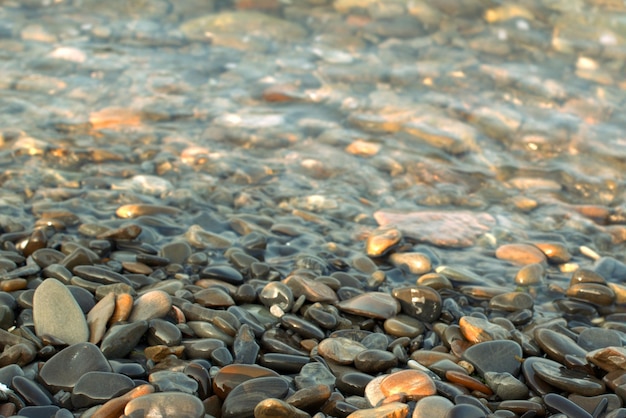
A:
(298, 120)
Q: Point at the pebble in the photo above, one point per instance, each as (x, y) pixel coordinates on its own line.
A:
(340, 350)
(382, 240)
(375, 305)
(506, 386)
(432, 406)
(276, 408)
(572, 381)
(85, 357)
(390, 410)
(421, 302)
(57, 314)
(243, 398)
(150, 305)
(416, 263)
(521, 254)
(501, 356)
(413, 384)
(95, 388)
(166, 405)
(608, 358)
(477, 330)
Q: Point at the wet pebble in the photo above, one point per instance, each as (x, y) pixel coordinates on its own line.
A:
(375, 361)
(150, 305)
(56, 313)
(521, 254)
(569, 380)
(85, 357)
(340, 350)
(94, 388)
(422, 302)
(413, 384)
(506, 386)
(243, 399)
(381, 240)
(376, 305)
(495, 356)
(477, 330)
(166, 405)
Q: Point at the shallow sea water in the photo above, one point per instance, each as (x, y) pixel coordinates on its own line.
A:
(293, 122)
(318, 112)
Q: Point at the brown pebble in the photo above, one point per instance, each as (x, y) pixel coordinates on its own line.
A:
(388, 410)
(276, 408)
(468, 382)
(12, 285)
(115, 407)
(520, 254)
(381, 240)
(557, 253)
(99, 316)
(123, 307)
(413, 383)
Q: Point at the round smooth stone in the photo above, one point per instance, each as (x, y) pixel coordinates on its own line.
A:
(243, 399)
(221, 356)
(583, 275)
(201, 348)
(593, 338)
(389, 410)
(421, 302)
(521, 254)
(511, 302)
(572, 381)
(63, 370)
(321, 317)
(375, 305)
(565, 406)
(276, 408)
(213, 297)
(557, 253)
(495, 356)
(176, 252)
(313, 290)
(414, 262)
(403, 326)
(314, 374)
(310, 398)
(506, 386)
(121, 339)
(228, 377)
(284, 363)
(169, 381)
(302, 327)
(56, 313)
(340, 350)
(598, 294)
(381, 240)
(432, 406)
(478, 330)
(277, 293)
(100, 275)
(590, 403)
(94, 388)
(33, 393)
(557, 345)
(151, 305)
(353, 383)
(465, 411)
(162, 332)
(375, 361)
(166, 405)
(530, 275)
(223, 273)
(413, 384)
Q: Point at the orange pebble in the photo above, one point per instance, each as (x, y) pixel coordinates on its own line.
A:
(115, 407)
(123, 307)
(13, 284)
(468, 381)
